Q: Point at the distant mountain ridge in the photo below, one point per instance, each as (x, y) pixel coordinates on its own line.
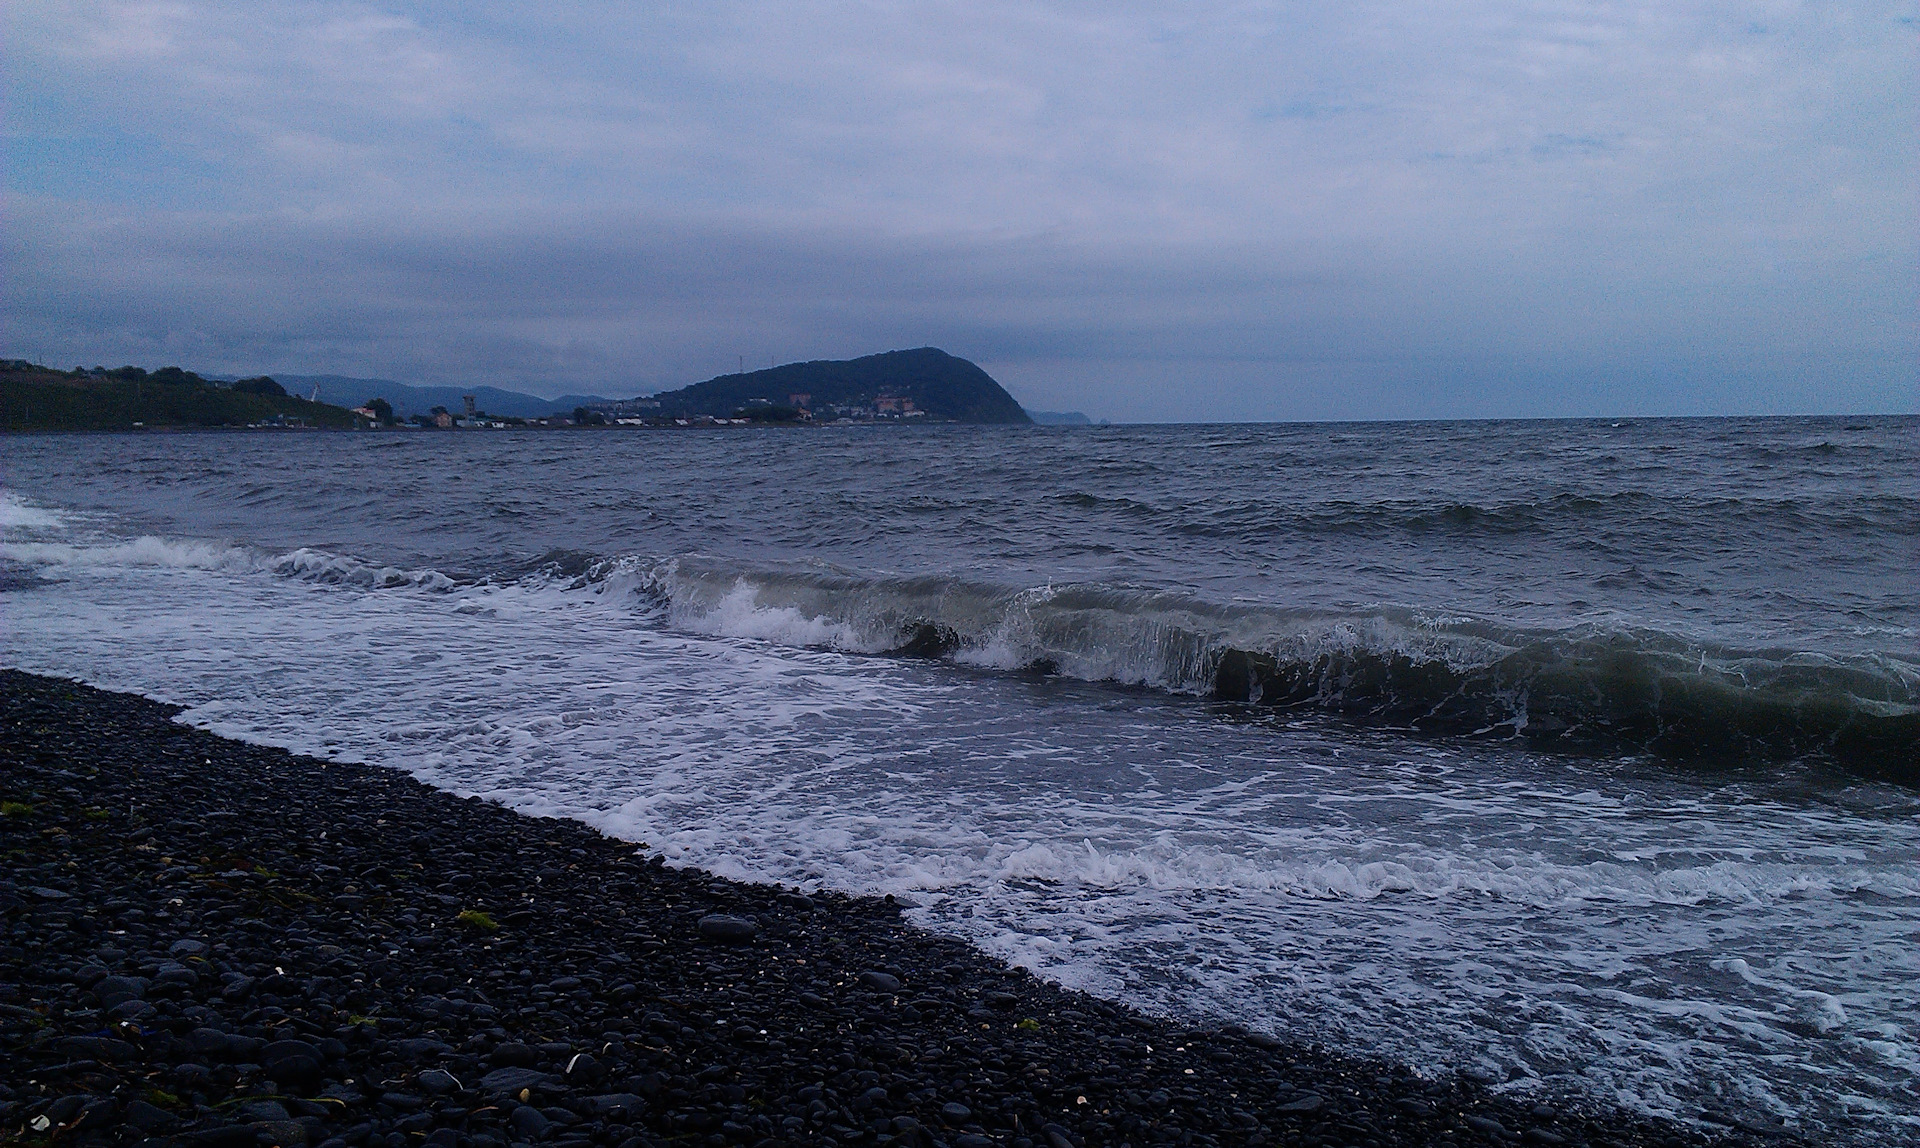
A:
(946, 387)
(409, 400)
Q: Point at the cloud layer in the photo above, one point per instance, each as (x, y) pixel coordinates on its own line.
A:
(1235, 210)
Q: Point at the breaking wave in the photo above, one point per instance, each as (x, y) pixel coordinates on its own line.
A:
(1585, 687)
(167, 553)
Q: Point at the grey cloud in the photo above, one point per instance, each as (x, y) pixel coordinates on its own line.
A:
(616, 304)
(1645, 201)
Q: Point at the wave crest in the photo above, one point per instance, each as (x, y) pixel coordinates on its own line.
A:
(1585, 687)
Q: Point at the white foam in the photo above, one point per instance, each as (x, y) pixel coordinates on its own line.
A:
(1640, 933)
(99, 551)
(319, 566)
(143, 551)
(738, 614)
(16, 512)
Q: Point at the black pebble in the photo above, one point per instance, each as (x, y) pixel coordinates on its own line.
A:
(213, 945)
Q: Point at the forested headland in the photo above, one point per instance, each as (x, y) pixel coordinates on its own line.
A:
(39, 398)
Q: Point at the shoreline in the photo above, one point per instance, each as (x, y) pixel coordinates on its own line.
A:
(212, 944)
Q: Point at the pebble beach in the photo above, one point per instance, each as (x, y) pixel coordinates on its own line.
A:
(211, 944)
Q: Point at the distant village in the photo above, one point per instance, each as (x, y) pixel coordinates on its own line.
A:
(799, 408)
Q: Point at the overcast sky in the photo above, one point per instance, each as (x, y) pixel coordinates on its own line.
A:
(1142, 211)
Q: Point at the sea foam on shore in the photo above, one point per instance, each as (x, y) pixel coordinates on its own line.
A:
(220, 945)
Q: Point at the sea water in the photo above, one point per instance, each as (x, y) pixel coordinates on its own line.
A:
(1581, 756)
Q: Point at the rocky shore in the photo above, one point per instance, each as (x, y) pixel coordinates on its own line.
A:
(215, 945)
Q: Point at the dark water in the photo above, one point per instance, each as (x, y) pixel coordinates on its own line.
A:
(1582, 752)
(1716, 588)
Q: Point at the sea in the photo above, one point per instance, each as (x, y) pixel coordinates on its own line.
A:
(1580, 757)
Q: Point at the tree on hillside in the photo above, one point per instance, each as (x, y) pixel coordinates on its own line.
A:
(261, 385)
(174, 375)
(382, 410)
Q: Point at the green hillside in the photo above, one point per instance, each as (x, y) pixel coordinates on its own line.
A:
(37, 398)
(947, 388)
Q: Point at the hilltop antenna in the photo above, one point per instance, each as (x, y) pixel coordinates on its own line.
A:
(743, 365)
(315, 396)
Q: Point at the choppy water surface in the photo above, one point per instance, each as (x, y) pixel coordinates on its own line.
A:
(1579, 754)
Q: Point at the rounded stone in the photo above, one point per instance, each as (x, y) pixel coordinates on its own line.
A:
(726, 929)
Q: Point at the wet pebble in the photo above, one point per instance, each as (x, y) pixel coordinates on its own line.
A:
(727, 929)
(252, 948)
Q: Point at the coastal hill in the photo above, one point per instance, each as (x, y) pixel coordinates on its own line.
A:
(33, 397)
(946, 388)
(1060, 419)
(408, 400)
(919, 385)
